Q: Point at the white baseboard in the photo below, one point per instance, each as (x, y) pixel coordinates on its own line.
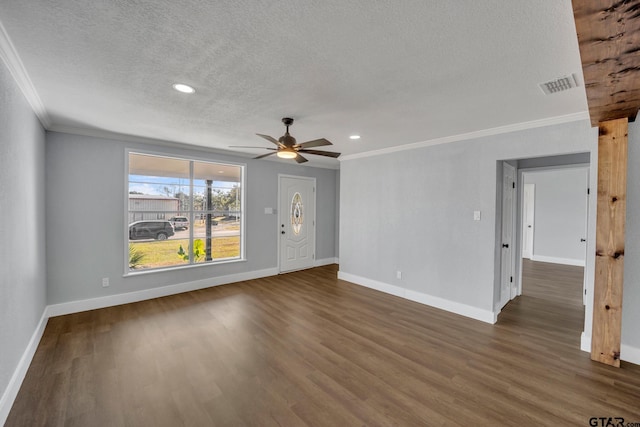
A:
(585, 343)
(627, 353)
(437, 302)
(630, 354)
(10, 393)
(556, 260)
(325, 261)
(135, 296)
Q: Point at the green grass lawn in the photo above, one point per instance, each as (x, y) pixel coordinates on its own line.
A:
(165, 253)
(199, 225)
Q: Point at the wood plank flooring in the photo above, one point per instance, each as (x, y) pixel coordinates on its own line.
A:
(556, 282)
(307, 349)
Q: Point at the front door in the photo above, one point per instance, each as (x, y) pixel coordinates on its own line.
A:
(296, 226)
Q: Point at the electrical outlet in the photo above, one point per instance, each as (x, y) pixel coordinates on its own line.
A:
(105, 282)
(476, 215)
(399, 274)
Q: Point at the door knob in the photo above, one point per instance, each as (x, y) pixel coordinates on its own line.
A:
(282, 232)
(505, 245)
(583, 240)
(528, 226)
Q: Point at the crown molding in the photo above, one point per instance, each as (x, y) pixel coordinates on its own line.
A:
(583, 115)
(10, 57)
(13, 62)
(105, 134)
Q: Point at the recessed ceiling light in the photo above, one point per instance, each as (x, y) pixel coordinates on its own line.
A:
(183, 88)
(354, 137)
(220, 171)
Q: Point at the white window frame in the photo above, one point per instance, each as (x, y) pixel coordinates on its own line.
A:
(243, 224)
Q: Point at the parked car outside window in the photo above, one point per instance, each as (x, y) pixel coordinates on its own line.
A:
(159, 230)
(179, 222)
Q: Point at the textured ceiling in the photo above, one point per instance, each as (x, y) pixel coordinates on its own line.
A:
(396, 72)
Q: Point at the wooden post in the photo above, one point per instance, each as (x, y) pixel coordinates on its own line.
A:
(609, 268)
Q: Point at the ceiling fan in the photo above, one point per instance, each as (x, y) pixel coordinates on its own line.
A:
(289, 149)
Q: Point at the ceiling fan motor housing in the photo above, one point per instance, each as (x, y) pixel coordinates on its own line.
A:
(287, 140)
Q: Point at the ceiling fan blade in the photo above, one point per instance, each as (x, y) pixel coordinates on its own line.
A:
(300, 159)
(320, 153)
(265, 155)
(269, 138)
(315, 143)
(246, 146)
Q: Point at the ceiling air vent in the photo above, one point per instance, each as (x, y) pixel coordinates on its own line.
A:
(559, 85)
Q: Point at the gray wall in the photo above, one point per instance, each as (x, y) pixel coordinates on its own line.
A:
(87, 175)
(413, 211)
(560, 213)
(550, 161)
(22, 203)
(631, 305)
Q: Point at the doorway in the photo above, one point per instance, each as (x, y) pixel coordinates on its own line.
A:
(554, 219)
(552, 228)
(296, 222)
(554, 214)
(552, 271)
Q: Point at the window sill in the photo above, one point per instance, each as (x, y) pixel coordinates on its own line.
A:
(180, 267)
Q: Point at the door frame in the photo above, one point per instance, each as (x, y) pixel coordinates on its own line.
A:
(515, 285)
(586, 237)
(520, 217)
(591, 166)
(532, 206)
(279, 218)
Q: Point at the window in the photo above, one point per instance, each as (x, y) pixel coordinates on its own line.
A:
(297, 216)
(183, 212)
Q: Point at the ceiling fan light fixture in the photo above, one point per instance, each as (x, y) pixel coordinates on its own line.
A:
(288, 148)
(181, 87)
(287, 154)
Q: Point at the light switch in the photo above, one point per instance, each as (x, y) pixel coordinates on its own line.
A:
(476, 215)
(268, 211)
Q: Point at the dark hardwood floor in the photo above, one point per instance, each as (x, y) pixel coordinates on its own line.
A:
(307, 349)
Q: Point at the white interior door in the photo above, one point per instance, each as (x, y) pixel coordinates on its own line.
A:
(297, 215)
(507, 288)
(527, 223)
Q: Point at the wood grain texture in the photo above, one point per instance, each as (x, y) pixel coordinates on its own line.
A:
(609, 40)
(610, 225)
(558, 282)
(307, 349)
